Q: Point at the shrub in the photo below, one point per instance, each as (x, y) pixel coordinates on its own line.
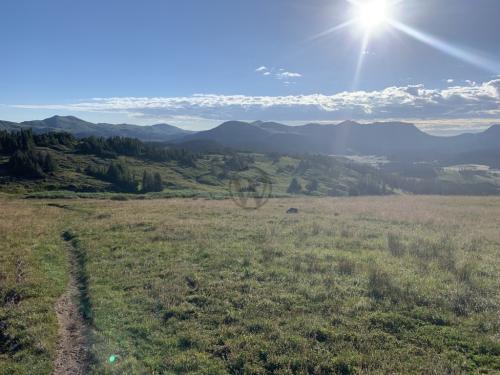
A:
(185, 342)
(392, 322)
(395, 245)
(464, 302)
(343, 367)
(346, 266)
(121, 198)
(312, 186)
(465, 272)
(270, 252)
(441, 250)
(474, 246)
(445, 250)
(319, 334)
(345, 232)
(380, 285)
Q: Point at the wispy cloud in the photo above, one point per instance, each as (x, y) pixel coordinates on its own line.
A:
(468, 101)
(279, 74)
(285, 75)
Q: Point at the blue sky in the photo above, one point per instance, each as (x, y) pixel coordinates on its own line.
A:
(195, 63)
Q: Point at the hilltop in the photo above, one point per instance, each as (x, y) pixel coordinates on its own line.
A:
(80, 128)
(396, 141)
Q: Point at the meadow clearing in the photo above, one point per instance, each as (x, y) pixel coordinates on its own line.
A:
(367, 285)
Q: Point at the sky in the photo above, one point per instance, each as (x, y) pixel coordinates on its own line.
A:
(197, 63)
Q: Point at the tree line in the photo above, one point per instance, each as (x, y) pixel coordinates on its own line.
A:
(116, 146)
(25, 140)
(120, 175)
(24, 160)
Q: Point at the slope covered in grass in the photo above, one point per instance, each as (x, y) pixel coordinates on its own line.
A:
(365, 285)
(33, 274)
(49, 164)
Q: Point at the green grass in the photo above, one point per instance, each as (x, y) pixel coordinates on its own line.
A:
(211, 174)
(33, 274)
(405, 285)
(209, 177)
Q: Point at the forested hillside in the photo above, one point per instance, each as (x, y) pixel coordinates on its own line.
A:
(55, 162)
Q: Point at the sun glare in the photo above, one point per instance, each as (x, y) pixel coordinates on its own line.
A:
(372, 14)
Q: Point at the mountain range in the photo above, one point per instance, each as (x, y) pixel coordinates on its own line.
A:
(395, 140)
(81, 128)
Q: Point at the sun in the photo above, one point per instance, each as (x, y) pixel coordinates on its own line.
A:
(372, 14)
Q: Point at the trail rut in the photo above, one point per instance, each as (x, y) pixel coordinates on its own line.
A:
(73, 347)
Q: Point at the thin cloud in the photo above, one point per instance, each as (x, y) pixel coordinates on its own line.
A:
(280, 74)
(283, 75)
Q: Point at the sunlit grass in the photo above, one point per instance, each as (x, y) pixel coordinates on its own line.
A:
(204, 287)
(354, 285)
(33, 275)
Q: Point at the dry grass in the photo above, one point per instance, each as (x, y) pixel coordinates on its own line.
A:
(265, 280)
(355, 285)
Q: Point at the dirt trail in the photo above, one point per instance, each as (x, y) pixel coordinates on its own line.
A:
(72, 349)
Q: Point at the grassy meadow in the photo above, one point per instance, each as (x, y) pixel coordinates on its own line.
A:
(33, 274)
(372, 285)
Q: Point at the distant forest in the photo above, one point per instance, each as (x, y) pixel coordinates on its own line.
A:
(31, 157)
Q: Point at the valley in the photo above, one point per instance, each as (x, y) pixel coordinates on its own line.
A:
(60, 164)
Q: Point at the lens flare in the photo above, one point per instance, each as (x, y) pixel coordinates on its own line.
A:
(449, 49)
(377, 16)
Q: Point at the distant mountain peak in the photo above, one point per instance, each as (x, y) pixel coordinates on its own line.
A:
(82, 128)
(59, 117)
(348, 123)
(234, 124)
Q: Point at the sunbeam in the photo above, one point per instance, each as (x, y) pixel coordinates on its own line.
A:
(379, 16)
(361, 58)
(446, 47)
(331, 30)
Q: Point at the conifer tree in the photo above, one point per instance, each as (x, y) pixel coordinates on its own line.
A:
(295, 187)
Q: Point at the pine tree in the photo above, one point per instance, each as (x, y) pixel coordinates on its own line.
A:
(151, 182)
(158, 183)
(49, 165)
(119, 174)
(295, 187)
(26, 140)
(25, 164)
(147, 182)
